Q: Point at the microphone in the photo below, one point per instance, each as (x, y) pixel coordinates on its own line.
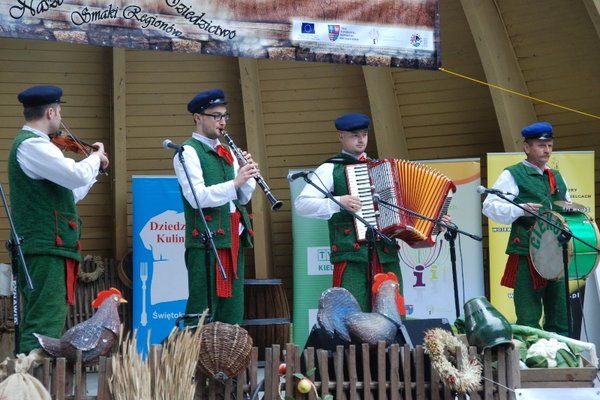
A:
(376, 198)
(168, 144)
(482, 190)
(302, 174)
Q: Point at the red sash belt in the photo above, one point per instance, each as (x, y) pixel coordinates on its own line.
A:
(229, 259)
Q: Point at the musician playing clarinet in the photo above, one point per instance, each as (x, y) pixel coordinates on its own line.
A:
(348, 255)
(222, 188)
(534, 186)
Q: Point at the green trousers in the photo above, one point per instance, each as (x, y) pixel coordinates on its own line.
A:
(530, 302)
(354, 280)
(43, 309)
(229, 310)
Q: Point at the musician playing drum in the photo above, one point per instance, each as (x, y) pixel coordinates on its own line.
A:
(534, 186)
(222, 188)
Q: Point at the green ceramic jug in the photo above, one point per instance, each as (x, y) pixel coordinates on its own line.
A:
(485, 325)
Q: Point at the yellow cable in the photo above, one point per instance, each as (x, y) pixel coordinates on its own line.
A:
(518, 94)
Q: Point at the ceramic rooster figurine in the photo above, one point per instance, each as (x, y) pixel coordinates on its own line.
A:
(94, 337)
(339, 312)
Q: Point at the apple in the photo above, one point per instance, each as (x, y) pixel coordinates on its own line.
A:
(282, 369)
(304, 385)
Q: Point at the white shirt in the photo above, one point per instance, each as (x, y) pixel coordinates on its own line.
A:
(214, 195)
(502, 211)
(40, 159)
(311, 202)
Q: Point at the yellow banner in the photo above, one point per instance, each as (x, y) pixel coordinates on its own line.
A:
(577, 168)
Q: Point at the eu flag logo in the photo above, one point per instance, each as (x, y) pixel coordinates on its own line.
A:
(308, 27)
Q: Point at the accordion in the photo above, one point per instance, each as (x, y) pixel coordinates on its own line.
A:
(406, 185)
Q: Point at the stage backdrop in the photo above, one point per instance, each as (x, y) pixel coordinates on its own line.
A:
(577, 167)
(397, 33)
(160, 288)
(427, 273)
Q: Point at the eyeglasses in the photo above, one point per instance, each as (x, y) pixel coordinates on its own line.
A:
(217, 117)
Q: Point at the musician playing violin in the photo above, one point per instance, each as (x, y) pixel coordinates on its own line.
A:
(535, 186)
(222, 189)
(44, 188)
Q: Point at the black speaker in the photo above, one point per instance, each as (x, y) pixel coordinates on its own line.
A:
(416, 329)
(320, 339)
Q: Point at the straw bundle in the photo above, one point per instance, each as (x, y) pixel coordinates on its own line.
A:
(175, 367)
(131, 378)
(166, 374)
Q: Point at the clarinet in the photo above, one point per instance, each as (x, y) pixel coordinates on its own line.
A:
(275, 204)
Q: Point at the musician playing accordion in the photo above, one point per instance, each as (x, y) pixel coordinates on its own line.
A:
(349, 256)
(534, 186)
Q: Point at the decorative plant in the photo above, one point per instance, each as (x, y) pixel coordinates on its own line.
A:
(304, 385)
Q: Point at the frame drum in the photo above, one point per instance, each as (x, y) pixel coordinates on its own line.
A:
(545, 248)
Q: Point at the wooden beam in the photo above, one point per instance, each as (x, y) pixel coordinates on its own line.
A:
(118, 154)
(502, 69)
(255, 137)
(593, 7)
(387, 120)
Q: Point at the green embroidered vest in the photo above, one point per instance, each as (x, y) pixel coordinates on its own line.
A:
(215, 170)
(44, 213)
(533, 188)
(342, 235)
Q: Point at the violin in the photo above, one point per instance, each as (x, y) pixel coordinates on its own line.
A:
(68, 142)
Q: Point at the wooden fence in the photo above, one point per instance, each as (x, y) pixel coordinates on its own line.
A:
(383, 373)
(354, 372)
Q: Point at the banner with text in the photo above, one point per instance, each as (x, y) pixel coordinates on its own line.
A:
(160, 287)
(577, 168)
(396, 33)
(427, 274)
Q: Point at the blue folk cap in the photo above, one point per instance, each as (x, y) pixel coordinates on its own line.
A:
(539, 130)
(40, 95)
(352, 122)
(207, 99)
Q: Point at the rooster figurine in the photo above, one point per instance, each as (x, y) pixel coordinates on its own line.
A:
(94, 336)
(339, 312)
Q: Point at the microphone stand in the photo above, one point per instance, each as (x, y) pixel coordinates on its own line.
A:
(16, 255)
(452, 232)
(205, 238)
(371, 235)
(563, 238)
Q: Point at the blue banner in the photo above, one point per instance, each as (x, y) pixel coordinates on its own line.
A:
(160, 288)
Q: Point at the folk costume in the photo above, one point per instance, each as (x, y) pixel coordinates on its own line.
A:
(348, 256)
(529, 184)
(45, 186)
(212, 168)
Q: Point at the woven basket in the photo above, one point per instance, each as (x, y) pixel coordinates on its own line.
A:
(224, 350)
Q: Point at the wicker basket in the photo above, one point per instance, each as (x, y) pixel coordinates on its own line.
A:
(224, 350)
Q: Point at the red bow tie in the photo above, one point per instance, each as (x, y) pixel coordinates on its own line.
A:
(362, 158)
(224, 153)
